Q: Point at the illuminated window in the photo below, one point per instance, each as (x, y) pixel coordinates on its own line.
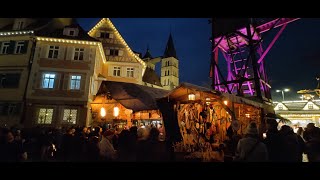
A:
(75, 82)
(310, 106)
(53, 52)
(280, 107)
(19, 47)
(4, 47)
(116, 71)
(130, 72)
(45, 116)
(70, 115)
(78, 54)
(48, 81)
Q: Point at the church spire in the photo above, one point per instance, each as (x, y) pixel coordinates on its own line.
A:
(170, 50)
(148, 54)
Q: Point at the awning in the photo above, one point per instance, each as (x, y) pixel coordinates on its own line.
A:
(133, 96)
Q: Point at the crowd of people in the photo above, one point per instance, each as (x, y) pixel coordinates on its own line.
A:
(82, 144)
(147, 144)
(279, 145)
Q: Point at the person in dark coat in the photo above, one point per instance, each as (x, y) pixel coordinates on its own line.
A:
(11, 150)
(274, 142)
(153, 150)
(294, 145)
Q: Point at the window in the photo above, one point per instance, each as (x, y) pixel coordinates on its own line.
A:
(20, 24)
(168, 73)
(19, 47)
(4, 47)
(70, 115)
(53, 52)
(130, 72)
(116, 71)
(280, 107)
(71, 32)
(114, 52)
(106, 35)
(78, 54)
(310, 106)
(9, 80)
(75, 82)
(45, 116)
(48, 81)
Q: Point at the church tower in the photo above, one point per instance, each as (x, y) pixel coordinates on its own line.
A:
(170, 66)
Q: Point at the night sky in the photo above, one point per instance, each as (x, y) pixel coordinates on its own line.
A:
(291, 63)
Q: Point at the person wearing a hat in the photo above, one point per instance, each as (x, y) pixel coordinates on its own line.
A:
(250, 148)
(107, 152)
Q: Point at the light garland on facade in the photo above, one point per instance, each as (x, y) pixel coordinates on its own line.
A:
(300, 115)
(16, 33)
(122, 40)
(76, 42)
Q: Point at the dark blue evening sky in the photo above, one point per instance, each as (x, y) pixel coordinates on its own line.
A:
(292, 62)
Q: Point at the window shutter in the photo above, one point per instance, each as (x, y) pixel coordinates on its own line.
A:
(70, 53)
(86, 54)
(44, 51)
(136, 72)
(11, 47)
(107, 52)
(66, 81)
(61, 54)
(82, 82)
(38, 81)
(120, 52)
(111, 35)
(25, 47)
(98, 34)
(56, 84)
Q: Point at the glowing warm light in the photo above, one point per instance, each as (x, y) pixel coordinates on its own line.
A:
(286, 90)
(121, 39)
(103, 112)
(17, 32)
(128, 111)
(192, 97)
(225, 102)
(77, 42)
(207, 101)
(247, 115)
(116, 111)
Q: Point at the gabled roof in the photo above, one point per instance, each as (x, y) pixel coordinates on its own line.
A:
(150, 76)
(58, 33)
(170, 51)
(133, 96)
(107, 20)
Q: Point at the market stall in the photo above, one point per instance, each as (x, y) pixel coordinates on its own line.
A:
(197, 120)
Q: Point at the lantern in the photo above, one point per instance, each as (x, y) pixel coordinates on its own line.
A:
(103, 112)
(116, 111)
(192, 97)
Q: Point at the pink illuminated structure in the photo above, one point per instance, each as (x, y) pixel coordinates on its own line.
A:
(240, 43)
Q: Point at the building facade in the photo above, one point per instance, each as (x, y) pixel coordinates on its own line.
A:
(62, 77)
(16, 51)
(51, 69)
(300, 112)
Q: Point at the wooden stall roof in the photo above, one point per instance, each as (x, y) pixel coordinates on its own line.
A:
(133, 96)
(181, 92)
